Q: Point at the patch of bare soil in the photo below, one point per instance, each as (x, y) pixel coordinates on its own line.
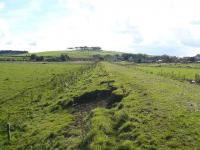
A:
(82, 106)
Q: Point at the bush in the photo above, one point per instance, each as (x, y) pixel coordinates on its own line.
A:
(34, 57)
(64, 57)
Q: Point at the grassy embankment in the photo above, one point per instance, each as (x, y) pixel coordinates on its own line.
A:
(105, 106)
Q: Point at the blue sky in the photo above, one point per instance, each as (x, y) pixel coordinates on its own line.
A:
(136, 26)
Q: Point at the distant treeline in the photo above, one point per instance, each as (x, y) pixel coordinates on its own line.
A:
(11, 52)
(62, 57)
(35, 58)
(143, 58)
(88, 48)
(137, 58)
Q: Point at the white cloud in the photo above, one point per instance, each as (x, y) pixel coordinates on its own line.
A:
(2, 5)
(157, 27)
(4, 30)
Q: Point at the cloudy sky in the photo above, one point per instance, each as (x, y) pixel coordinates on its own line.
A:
(137, 26)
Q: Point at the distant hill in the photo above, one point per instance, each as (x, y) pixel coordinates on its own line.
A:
(92, 55)
(11, 52)
(78, 53)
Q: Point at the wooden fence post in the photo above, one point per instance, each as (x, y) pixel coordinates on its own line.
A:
(8, 132)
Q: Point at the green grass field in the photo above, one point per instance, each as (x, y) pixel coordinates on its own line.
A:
(99, 106)
(175, 71)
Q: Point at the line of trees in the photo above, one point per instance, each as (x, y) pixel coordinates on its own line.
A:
(62, 57)
(137, 58)
(88, 48)
(11, 52)
(143, 58)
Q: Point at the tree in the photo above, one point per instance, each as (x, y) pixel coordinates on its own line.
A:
(192, 59)
(64, 57)
(97, 57)
(39, 58)
(33, 57)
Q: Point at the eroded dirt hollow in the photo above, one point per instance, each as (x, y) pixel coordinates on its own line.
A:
(84, 104)
(99, 98)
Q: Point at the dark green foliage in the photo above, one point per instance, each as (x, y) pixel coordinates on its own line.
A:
(64, 57)
(33, 57)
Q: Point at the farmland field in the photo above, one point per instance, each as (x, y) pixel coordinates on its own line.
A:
(99, 106)
(176, 71)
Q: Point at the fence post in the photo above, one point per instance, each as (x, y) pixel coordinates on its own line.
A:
(8, 131)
